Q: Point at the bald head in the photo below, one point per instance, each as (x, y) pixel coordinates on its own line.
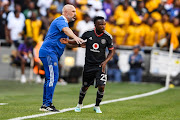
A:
(69, 12)
(67, 8)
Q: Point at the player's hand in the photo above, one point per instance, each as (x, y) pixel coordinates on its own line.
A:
(64, 40)
(103, 65)
(79, 40)
(83, 45)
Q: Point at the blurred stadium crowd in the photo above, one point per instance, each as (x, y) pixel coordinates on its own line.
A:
(131, 22)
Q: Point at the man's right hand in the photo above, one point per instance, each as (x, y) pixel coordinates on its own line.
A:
(79, 40)
(70, 33)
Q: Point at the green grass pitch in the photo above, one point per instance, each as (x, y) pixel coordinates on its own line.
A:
(26, 99)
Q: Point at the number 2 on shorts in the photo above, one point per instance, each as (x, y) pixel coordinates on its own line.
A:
(103, 78)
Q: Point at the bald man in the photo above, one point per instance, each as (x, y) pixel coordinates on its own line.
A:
(51, 51)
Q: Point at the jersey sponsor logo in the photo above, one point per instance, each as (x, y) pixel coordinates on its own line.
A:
(95, 47)
(103, 41)
(94, 50)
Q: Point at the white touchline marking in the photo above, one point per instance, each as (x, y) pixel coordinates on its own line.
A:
(91, 105)
(3, 103)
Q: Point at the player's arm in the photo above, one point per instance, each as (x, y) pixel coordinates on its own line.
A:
(70, 33)
(71, 46)
(110, 55)
(71, 43)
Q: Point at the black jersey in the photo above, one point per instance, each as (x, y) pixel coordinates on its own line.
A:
(96, 46)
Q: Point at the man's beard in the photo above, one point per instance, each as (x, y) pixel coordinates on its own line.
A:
(72, 18)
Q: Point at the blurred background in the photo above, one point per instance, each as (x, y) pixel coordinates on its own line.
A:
(142, 31)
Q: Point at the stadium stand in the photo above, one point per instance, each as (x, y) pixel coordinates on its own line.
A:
(148, 23)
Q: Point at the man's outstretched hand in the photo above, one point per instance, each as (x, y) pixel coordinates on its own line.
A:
(79, 40)
(64, 40)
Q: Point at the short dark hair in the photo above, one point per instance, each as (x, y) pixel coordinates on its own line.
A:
(85, 15)
(98, 18)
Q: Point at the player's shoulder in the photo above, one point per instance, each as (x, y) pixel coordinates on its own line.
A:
(60, 19)
(108, 34)
(88, 32)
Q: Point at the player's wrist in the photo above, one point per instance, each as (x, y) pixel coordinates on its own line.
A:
(75, 38)
(105, 62)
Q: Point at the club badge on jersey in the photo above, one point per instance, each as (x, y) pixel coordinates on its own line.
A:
(103, 41)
